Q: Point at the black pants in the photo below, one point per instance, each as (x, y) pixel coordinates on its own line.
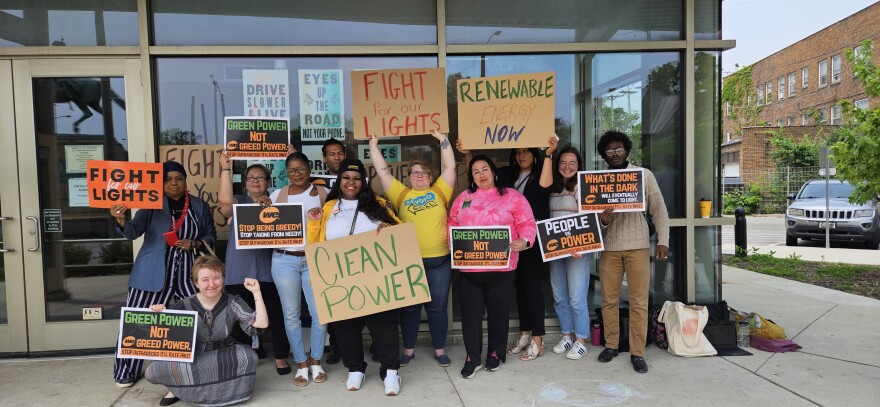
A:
(383, 331)
(280, 344)
(490, 291)
(530, 274)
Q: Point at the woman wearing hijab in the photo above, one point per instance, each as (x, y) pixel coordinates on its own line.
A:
(172, 235)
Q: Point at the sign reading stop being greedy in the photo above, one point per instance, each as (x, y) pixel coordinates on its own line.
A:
(480, 247)
(563, 236)
(133, 184)
(506, 111)
(621, 190)
(399, 102)
(367, 273)
(167, 335)
(256, 137)
(261, 227)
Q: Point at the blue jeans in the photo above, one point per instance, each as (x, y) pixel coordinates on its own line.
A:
(570, 278)
(291, 276)
(439, 274)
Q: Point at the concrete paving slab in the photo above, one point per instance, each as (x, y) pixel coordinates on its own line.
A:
(824, 381)
(58, 382)
(832, 335)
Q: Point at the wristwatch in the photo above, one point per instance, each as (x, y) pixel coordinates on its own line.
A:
(550, 156)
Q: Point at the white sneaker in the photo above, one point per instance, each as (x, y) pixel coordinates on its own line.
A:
(392, 383)
(577, 351)
(355, 381)
(563, 345)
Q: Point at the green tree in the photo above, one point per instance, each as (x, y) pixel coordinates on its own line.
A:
(856, 150)
(180, 137)
(788, 152)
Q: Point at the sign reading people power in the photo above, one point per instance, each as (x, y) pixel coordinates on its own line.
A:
(367, 273)
(506, 111)
(260, 227)
(399, 102)
(621, 190)
(321, 114)
(256, 137)
(480, 247)
(563, 236)
(134, 184)
(167, 335)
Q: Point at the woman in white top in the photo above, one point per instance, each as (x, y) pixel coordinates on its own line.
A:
(570, 276)
(291, 274)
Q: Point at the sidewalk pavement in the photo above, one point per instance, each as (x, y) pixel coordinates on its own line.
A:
(838, 366)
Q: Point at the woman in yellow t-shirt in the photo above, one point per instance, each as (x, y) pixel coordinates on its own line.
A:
(424, 205)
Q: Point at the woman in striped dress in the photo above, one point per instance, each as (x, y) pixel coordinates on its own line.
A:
(171, 237)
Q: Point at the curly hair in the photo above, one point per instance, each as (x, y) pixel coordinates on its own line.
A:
(610, 136)
(368, 202)
(472, 186)
(560, 184)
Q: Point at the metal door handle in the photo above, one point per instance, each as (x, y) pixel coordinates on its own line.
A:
(7, 250)
(36, 233)
(2, 218)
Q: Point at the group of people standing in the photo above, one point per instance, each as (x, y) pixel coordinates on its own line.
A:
(266, 287)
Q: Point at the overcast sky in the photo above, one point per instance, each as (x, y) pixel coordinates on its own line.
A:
(762, 27)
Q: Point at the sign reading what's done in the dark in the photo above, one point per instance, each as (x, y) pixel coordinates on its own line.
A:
(167, 335)
(480, 247)
(563, 236)
(256, 137)
(260, 227)
(367, 273)
(621, 190)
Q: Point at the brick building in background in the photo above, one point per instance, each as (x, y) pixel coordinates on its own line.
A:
(798, 90)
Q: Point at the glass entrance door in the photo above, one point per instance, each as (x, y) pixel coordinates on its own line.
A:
(76, 266)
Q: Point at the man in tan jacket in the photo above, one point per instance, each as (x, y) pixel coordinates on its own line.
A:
(627, 251)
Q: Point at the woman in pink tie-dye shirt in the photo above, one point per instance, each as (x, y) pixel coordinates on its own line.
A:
(487, 203)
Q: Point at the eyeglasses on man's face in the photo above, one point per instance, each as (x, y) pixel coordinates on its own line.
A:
(297, 171)
(256, 179)
(616, 151)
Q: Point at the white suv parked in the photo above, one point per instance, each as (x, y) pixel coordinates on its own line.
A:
(805, 216)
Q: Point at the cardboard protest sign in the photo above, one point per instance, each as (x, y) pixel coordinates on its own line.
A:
(399, 102)
(367, 273)
(134, 184)
(167, 335)
(506, 111)
(621, 190)
(202, 164)
(562, 236)
(256, 137)
(480, 247)
(260, 227)
(321, 110)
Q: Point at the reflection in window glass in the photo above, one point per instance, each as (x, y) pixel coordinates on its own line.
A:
(529, 22)
(81, 23)
(707, 19)
(707, 129)
(280, 22)
(707, 263)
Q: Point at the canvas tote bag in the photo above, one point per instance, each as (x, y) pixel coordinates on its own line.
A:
(684, 329)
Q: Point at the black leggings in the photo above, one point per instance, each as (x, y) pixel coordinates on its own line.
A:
(531, 272)
(489, 291)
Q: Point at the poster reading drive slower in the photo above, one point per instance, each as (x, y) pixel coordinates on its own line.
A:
(480, 247)
(621, 190)
(256, 137)
(565, 235)
(399, 102)
(261, 227)
(367, 273)
(133, 184)
(506, 111)
(167, 335)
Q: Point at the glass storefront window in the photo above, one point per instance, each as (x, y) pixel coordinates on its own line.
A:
(280, 22)
(530, 22)
(707, 263)
(707, 129)
(59, 23)
(707, 19)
